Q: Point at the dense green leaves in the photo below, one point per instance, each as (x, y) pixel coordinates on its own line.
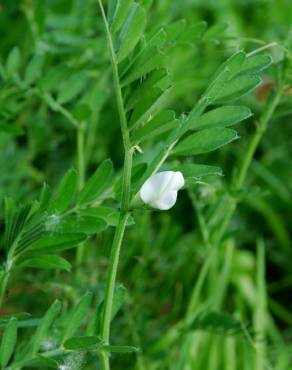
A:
(205, 141)
(97, 184)
(8, 342)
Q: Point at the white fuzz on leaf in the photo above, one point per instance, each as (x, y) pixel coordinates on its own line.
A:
(160, 190)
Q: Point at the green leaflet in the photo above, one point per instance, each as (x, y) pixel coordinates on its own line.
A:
(130, 32)
(44, 326)
(140, 90)
(47, 262)
(85, 343)
(149, 58)
(34, 68)
(120, 349)
(97, 184)
(196, 171)
(57, 242)
(218, 322)
(77, 316)
(237, 87)
(117, 13)
(163, 122)
(222, 116)
(82, 223)
(65, 192)
(205, 141)
(13, 62)
(108, 214)
(147, 107)
(71, 88)
(8, 342)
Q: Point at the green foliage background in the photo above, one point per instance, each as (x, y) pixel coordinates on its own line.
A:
(55, 71)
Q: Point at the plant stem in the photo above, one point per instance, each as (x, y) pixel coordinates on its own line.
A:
(3, 285)
(80, 156)
(81, 179)
(125, 199)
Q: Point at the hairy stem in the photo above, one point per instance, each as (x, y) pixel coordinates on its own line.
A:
(125, 200)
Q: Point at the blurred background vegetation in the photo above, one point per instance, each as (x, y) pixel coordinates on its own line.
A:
(57, 48)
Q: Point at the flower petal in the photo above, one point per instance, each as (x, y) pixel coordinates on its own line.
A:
(166, 201)
(160, 190)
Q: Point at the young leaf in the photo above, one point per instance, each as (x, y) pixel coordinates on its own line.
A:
(77, 316)
(86, 343)
(205, 141)
(130, 32)
(65, 192)
(97, 183)
(44, 326)
(57, 242)
(47, 262)
(8, 342)
(223, 116)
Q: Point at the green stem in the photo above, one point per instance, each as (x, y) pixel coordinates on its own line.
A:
(125, 200)
(80, 156)
(3, 285)
(81, 179)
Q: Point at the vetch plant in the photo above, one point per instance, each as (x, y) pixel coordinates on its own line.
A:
(163, 151)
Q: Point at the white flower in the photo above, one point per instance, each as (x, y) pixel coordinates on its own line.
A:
(160, 190)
